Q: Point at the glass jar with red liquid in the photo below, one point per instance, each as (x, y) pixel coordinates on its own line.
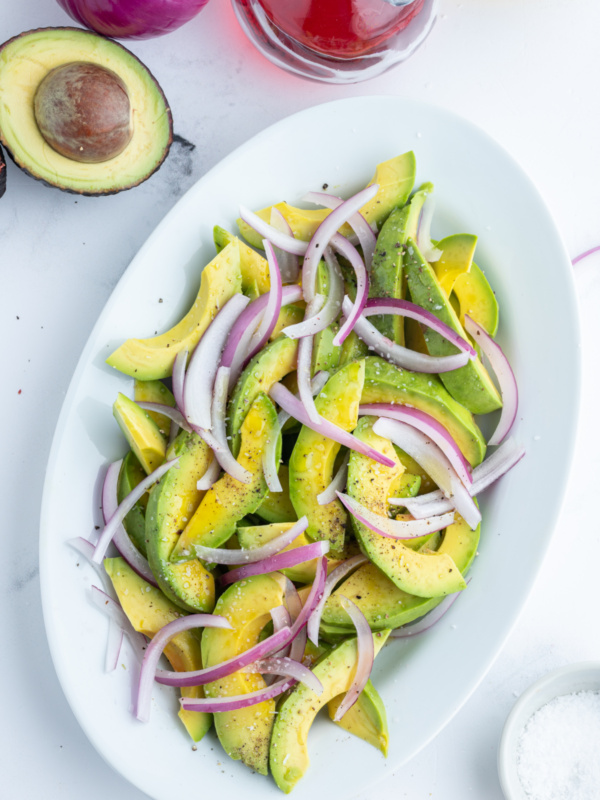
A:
(337, 41)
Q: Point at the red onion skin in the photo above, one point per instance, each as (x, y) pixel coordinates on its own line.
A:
(132, 19)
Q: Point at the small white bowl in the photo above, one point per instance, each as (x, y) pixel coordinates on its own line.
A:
(581, 677)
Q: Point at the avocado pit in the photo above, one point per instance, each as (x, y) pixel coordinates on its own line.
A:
(83, 112)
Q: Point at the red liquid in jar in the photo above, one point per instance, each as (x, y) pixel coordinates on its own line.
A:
(339, 28)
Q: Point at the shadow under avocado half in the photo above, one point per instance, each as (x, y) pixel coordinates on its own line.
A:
(80, 112)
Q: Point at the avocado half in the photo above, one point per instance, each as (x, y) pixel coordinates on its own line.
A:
(25, 61)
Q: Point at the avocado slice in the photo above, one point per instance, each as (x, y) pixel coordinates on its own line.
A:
(141, 431)
(228, 501)
(476, 298)
(245, 733)
(277, 507)
(353, 349)
(312, 461)
(253, 266)
(289, 751)
(149, 610)
(130, 474)
(420, 573)
(26, 60)
(470, 385)
(366, 718)
(155, 392)
(152, 359)
(456, 259)
(396, 179)
(171, 504)
(386, 269)
(386, 383)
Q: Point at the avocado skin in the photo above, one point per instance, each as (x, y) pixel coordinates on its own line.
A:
(2, 173)
(82, 192)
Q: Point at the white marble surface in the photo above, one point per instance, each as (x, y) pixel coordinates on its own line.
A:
(524, 70)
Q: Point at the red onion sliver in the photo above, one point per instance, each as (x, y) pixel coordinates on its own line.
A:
(365, 234)
(200, 677)
(276, 665)
(294, 606)
(585, 254)
(334, 577)
(270, 462)
(125, 507)
(326, 232)
(291, 405)
(291, 558)
(366, 657)
(428, 621)
(221, 555)
(395, 528)
(404, 308)
(304, 364)
(217, 704)
(178, 378)
(86, 548)
(281, 618)
(316, 385)
(288, 262)
(338, 483)
(420, 447)
(210, 476)
(113, 647)
(200, 376)
(315, 594)
(399, 355)
(504, 374)
(168, 411)
(429, 426)
(317, 321)
(353, 310)
(116, 614)
(225, 457)
(273, 307)
(424, 243)
(155, 649)
(281, 240)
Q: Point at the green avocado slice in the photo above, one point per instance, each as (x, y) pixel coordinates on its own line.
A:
(277, 507)
(149, 610)
(476, 298)
(171, 504)
(155, 392)
(366, 718)
(312, 461)
(141, 431)
(253, 266)
(386, 269)
(228, 501)
(245, 733)
(130, 474)
(456, 259)
(420, 573)
(470, 385)
(386, 383)
(289, 750)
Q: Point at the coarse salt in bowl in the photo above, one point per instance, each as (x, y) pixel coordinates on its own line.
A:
(549, 745)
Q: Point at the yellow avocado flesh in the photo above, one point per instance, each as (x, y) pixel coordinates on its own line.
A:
(24, 63)
(155, 392)
(395, 178)
(245, 733)
(477, 299)
(313, 457)
(456, 259)
(152, 359)
(253, 266)
(149, 610)
(366, 718)
(277, 506)
(422, 574)
(289, 744)
(141, 431)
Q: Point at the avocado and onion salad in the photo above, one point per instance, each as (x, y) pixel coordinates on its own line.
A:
(306, 486)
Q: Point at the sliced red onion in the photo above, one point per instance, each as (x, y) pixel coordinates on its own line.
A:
(326, 232)
(334, 577)
(316, 385)
(338, 483)
(399, 355)
(314, 596)
(291, 669)
(270, 462)
(366, 236)
(168, 411)
(353, 310)
(291, 405)
(395, 528)
(428, 621)
(430, 427)
(585, 254)
(273, 307)
(155, 650)
(281, 618)
(217, 704)
(316, 321)
(504, 374)
(420, 447)
(117, 616)
(200, 376)
(494, 467)
(291, 558)
(219, 433)
(86, 548)
(304, 365)
(404, 308)
(200, 677)
(225, 457)
(128, 502)
(278, 239)
(294, 606)
(210, 476)
(113, 648)
(424, 243)
(220, 555)
(364, 662)
(288, 262)
(178, 378)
